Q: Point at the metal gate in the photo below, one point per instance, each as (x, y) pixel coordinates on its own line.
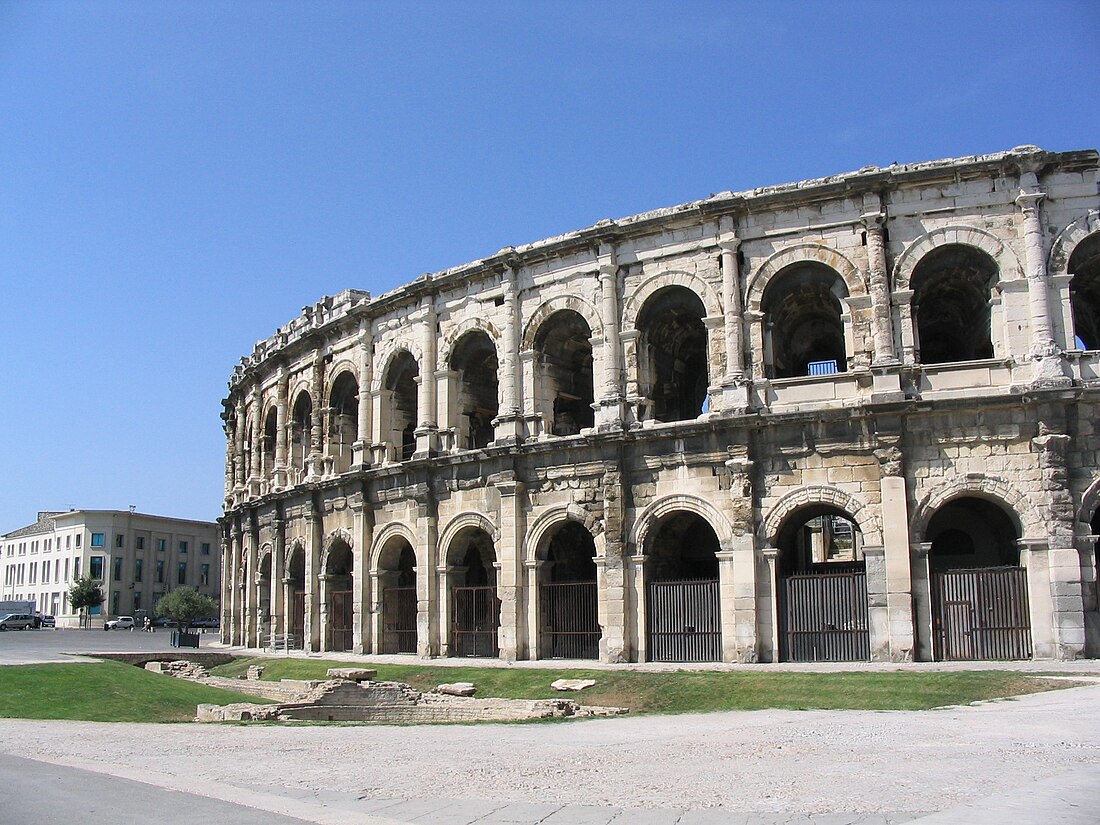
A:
(399, 619)
(823, 617)
(684, 621)
(298, 621)
(569, 609)
(981, 614)
(340, 619)
(475, 621)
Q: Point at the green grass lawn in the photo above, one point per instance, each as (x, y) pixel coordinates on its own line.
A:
(103, 692)
(683, 692)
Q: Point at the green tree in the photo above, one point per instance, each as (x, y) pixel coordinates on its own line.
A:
(185, 604)
(85, 593)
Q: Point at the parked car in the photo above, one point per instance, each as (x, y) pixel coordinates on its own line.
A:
(46, 621)
(17, 621)
(163, 621)
(205, 623)
(121, 623)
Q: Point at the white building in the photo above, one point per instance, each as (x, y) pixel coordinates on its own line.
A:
(137, 558)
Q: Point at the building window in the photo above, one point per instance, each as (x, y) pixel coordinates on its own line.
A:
(78, 536)
(160, 571)
(67, 540)
(181, 575)
(95, 567)
(183, 547)
(115, 598)
(118, 540)
(76, 568)
(206, 548)
(139, 543)
(46, 571)
(118, 569)
(162, 545)
(34, 573)
(97, 539)
(204, 575)
(137, 600)
(137, 569)
(66, 569)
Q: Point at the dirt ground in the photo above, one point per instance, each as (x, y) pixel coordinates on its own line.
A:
(810, 762)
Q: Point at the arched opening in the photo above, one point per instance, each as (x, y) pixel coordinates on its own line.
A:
(564, 373)
(822, 588)
(397, 578)
(683, 613)
(296, 597)
(301, 426)
(401, 386)
(673, 353)
(475, 361)
(263, 600)
(338, 580)
(343, 427)
(979, 591)
(1084, 291)
(568, 612)
(475, 616)
(271, 430)
(951, 292)
(803, 321)
(249, 446)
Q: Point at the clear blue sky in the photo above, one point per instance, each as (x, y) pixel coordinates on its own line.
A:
(179, 179)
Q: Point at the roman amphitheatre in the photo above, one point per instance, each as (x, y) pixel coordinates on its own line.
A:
(846, 419)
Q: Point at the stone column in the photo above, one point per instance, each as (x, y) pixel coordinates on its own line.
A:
(361, 448)
(234, 571)
(313, 626)
(278, 572)
(878, 615)
(426, 430)
(609, 412)
(508, 425)
(735, 397)
(534, 569)
(922, 601)
(509, 577)
(1049, 367)
(443, 578)
(238, 458)
(770, 602)
(360, 634)
(428, 587)
(611, 606)
(288, 601)
(1066, 594)
(635, 606)
(256, 453)
(1035, 558)
(324, 587)
(226, 623)
(743, 561)
(895, 540)
(377, 616)
(281, 427)
(727, 596)
(316, 436)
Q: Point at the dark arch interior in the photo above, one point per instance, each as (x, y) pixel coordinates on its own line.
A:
(682, 547)
(344, 420)
(401, 381)
(1084, 266)
(571, 555)
(475, 359)
(399, 560)
(819, 539)
(564, 347)
(473, 550)
(271, 429)
(300, 428)
(675, 341)
(296, 569)
(340, 560)
(970, 533)
(803, 311)
(951, 288)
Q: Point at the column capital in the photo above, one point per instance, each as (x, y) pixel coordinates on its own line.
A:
(873, 220)
(1028, 201)
(729, 243)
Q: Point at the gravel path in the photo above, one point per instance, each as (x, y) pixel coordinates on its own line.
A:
(810, 762)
